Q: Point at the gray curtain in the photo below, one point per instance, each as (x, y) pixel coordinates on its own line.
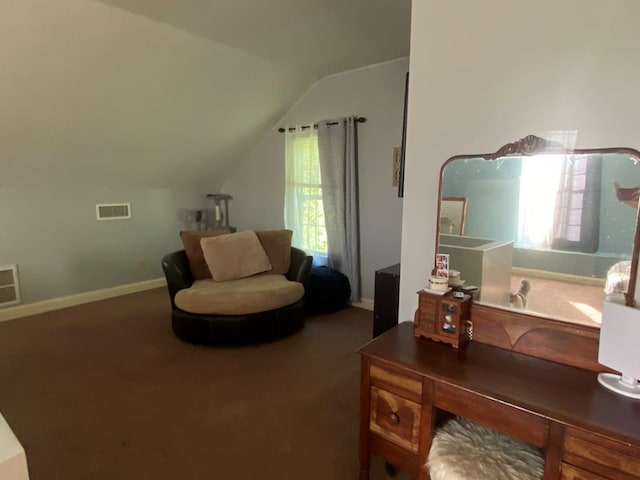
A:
(576, 220)
(338, 151)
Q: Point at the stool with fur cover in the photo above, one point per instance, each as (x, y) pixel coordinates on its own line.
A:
(464, 450)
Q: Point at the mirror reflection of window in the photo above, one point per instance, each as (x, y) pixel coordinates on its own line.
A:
(576, 222)
(539, 182)
(560, 202)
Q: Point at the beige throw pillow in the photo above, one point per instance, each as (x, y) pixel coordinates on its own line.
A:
(235, 255)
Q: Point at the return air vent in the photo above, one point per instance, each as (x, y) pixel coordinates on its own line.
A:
(9, 287)
(113, 211)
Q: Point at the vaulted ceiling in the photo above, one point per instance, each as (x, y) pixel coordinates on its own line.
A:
(319, 37)
(165, 92)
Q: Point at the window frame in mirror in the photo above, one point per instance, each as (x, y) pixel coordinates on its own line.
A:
(530, 333)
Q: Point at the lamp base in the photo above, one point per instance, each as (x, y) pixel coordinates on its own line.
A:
(614, 383)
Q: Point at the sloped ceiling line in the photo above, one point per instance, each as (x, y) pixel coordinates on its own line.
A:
(96, 95)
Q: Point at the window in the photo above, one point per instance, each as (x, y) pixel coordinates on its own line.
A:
(303, 209)
(571, 193)
(538, 186)
(577, 213)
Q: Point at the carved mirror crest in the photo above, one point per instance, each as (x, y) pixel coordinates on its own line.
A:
(548, 230)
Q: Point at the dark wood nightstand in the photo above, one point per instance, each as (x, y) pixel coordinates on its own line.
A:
(386, 298)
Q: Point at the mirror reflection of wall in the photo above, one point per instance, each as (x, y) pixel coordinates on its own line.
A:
(568, 224)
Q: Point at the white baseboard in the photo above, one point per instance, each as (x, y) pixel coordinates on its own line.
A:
(78, 299)
(44, 306)
(364, 303)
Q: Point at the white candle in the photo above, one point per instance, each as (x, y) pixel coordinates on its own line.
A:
(218, 213)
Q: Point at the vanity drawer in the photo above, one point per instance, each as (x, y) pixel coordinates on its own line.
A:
(569, 472)
(601, 455)
(426, 316)
(428, 305)
(395, 418)
(519, 423)
(396, 380)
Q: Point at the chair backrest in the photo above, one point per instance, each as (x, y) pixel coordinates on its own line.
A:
(300, 268)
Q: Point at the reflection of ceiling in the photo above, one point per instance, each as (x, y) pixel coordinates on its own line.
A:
(167, 92)
(318, 37)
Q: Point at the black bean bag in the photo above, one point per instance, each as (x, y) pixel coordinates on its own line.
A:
(328, 291)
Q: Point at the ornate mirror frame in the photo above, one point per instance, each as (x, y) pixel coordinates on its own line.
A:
(536, 335)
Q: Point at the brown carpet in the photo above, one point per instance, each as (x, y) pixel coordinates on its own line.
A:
(104, 391)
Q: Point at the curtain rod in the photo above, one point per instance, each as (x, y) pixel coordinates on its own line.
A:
(315, 125)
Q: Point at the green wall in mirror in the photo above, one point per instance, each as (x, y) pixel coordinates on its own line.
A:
(495, 187)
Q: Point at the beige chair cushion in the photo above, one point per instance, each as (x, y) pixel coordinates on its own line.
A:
(235, 255)
(195, 257)
(277, 244)
(243, 296)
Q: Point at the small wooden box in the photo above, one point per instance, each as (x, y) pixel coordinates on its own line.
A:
(443, 318)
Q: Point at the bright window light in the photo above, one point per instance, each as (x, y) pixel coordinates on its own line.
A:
(538, 186)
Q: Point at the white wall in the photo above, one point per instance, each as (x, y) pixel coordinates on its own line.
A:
(375, 92)
(487, 73)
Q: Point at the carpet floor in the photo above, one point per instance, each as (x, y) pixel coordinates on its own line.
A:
(104, 391)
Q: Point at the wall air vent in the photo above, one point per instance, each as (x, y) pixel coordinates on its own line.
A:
(113, 211)
(9, 286)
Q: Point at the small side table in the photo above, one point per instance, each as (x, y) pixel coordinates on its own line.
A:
(386, 299)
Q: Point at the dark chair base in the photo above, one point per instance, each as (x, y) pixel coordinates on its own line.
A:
(238, 329)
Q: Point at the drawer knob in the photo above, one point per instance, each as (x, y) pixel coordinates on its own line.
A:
(394, 419)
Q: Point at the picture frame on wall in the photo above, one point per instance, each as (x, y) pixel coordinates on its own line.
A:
(404, 139)
(395, 165)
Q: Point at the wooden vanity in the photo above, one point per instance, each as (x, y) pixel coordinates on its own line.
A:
(529, 370)
(409, 385)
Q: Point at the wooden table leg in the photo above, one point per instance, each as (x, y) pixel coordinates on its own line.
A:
(365, 451)
(427, 425)
(553, 455)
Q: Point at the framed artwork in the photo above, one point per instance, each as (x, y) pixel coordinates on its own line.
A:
(403, 147)
(395, 162)
(453, 211)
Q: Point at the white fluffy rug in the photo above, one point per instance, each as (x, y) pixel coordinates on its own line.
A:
(463, 450)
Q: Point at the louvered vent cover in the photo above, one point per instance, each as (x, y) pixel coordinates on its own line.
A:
(113, 211)
(9, 288)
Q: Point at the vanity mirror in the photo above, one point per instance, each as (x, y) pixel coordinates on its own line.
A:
(548, 231)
